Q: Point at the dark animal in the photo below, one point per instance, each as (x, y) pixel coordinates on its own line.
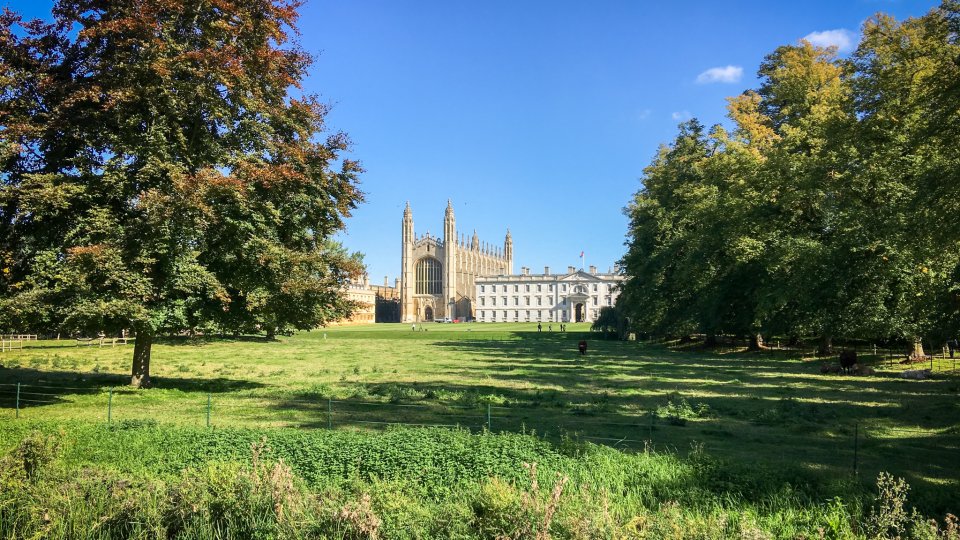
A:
(848, 359)
(582, 346)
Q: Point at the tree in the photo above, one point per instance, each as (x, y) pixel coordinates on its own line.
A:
(159, 174)
(829, 209)
(907, 91)
(610, 321)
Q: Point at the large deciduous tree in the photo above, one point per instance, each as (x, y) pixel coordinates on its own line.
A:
(162, 172)
(830, 209)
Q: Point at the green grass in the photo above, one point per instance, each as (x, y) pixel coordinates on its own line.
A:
(772, 409)
(147, 480)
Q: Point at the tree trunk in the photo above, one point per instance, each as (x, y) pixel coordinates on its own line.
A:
(826, 346)
(141, 359)
(756, 342)
(917, 349)
(271, 333)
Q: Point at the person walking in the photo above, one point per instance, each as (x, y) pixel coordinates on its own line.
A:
(582, 346)
(539, 327)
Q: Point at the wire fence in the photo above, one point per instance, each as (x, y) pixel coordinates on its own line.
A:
(938, 359)
(861, 447)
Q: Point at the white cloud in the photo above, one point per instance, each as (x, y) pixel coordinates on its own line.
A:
(681, 115)
(728, 74)
(841, 38)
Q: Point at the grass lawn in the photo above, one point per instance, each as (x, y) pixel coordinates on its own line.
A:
(770, 408)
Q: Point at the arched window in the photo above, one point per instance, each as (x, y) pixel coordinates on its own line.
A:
(429, 276)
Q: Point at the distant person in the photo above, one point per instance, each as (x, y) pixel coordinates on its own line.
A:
(582, 346)
(953, 344)
(413, 327)
(550, 327)
(540, 329)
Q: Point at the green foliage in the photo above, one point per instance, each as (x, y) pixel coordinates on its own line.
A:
(678, 410)
(828, 210)
(159, 176)
(609, 321)
(32, 454)
(199, 483)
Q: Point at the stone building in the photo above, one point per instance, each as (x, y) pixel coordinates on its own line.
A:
(575, 296)
(373, 300)
(437, 277)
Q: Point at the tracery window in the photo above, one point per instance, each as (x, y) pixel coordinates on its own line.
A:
(429, 276)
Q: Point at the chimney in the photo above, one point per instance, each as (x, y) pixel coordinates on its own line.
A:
(396, 283)
(546, 270)
(571, 269)
(593, 269)
(385, 281)
(524, 271)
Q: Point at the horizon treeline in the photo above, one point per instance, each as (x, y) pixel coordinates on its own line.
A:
(830, 209)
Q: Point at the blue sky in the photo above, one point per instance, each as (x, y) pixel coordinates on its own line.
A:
(534, 115)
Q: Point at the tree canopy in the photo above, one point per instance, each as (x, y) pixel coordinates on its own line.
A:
(829, 209)
(163, 172)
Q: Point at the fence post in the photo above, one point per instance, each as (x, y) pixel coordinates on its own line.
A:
(109, 404)
(651, 426)
(489, 426)
(329, 413)
(856, 449)
(18, 400)
(208, 409)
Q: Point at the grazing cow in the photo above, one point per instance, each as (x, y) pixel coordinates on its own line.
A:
(582, 346)
(848, 359)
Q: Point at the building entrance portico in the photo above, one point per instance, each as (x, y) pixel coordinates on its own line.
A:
(577, 302)
(428, 314)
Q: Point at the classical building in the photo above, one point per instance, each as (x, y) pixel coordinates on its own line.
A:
(438, 273)
(575, 296)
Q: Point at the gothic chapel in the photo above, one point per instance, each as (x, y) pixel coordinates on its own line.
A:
(437, 279)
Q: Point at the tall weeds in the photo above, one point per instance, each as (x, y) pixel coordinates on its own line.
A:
(599, 493)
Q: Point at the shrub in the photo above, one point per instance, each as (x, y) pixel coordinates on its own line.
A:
(33, 453)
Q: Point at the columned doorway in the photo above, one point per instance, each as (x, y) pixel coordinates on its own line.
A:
(428, 314)
(579, 313)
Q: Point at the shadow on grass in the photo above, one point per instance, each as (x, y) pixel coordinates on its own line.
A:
(173, 341)
(757, 407)
(39, 388)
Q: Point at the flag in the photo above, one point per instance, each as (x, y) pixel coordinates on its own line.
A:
(581, 254)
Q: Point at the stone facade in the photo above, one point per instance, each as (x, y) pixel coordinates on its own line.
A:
(366, 294)
(576, 296)
(437, 277)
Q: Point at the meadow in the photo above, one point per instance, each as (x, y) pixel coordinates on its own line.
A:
(771, 411)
